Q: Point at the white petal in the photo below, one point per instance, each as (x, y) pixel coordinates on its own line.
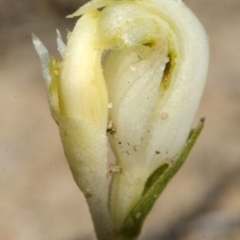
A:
(90, 6)
(82, 89)
(44, 58)
(152, 122)
(60, 44)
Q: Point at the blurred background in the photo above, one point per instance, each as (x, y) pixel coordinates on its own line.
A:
(38, 197)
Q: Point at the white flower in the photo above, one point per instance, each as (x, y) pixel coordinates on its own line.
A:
(135, 69)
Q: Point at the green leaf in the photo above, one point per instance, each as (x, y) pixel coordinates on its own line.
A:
(154, 187)
(154, 177)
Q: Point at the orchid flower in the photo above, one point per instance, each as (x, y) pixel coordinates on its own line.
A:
(132, 74)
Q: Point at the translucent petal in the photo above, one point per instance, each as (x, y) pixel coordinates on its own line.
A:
(61, 45)
(44, 58)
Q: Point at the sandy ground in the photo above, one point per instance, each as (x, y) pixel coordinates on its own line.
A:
(38, 198)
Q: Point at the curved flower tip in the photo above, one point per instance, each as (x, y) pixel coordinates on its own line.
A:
(137, 70)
